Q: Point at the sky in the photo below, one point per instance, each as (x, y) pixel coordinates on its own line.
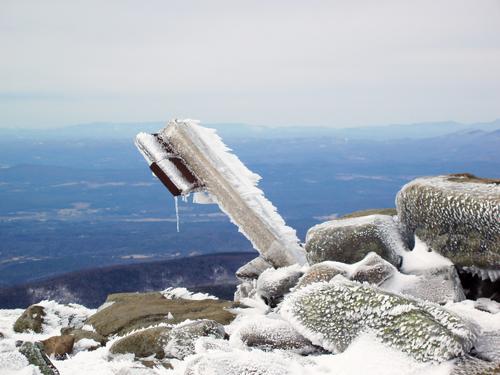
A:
(323, 63)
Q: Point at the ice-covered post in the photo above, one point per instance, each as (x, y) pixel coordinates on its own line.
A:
(189, 158)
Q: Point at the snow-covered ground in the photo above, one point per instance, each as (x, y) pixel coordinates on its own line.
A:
(364, 355)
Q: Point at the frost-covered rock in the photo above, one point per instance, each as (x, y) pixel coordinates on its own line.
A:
(324, 271)
(30, 320)
(245, 289)
(241, 363)
(469, 365)
(145, 343)
(270, 334)
(439, 285)
(333, 314)
(58, 346)
(130, 311)
(273, 284)
(373, 270)
(252, 269)
(183, 337)
(349, 240)
(36, 356)
(456, 215)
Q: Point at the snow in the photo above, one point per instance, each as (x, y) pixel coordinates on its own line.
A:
(422, 259)
(174, 293)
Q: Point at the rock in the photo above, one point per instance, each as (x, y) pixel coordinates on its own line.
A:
(1, 335)
(374, 211)
(333, 314)
(183, 337)
(152, 364)
(270, 334)
(252, 269)
(80, 334)
(59, 346)
(469, 365)
(456, 215)
(439, 285)
(246, 289)
(349, 240)
(324, 271)
(36, 356)
(273, 284)
(373, 270)
(144, 343)
(30, 320)
(487, 346)
(131, 311)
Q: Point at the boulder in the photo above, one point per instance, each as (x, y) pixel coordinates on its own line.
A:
(80, 334)
(58, 346)
(333, 314)
(270, 334)
(144, 343)
(273, 284)
(350, 240)
(36, 356)
(439, 285)
(373, 270)
(252, 269)
(184, 336)
(30, 320)
(456, 215)
(324, 271)
(131, 311)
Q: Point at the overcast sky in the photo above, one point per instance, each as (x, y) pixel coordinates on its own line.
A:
(333, 63)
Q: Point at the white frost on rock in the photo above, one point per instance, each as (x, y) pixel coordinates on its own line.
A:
(183, 293)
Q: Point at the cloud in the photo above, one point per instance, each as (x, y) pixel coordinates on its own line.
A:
(280, 63)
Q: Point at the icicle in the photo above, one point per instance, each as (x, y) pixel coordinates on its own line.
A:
(177, 212)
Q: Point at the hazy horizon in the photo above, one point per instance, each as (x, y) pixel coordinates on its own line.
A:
(320, 63)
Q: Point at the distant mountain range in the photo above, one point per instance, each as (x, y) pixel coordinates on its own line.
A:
(212, 273)
(101, 130)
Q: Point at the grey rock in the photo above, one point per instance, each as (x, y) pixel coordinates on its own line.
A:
(132, 311)
(339, 311)
(144, 343)
(36, 356)
(456, 215)
(273, 284)
(270, 334)
(439, 285)
(350, 240)
(30, 320)
(252, 269)
(324, 271)
(184, 336)
(373, 270)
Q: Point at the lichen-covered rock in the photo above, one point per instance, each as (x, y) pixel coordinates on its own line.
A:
(456, 215)
(373, 270)
(270, 334)
(349, 240)
(30, 320)
(58, 346)
(144, 343)
(184, 336)
(333, 314)
(253, 269)
(131, 311)
(324, 271)
(273, 284)
(36, 356)
(439, 285)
